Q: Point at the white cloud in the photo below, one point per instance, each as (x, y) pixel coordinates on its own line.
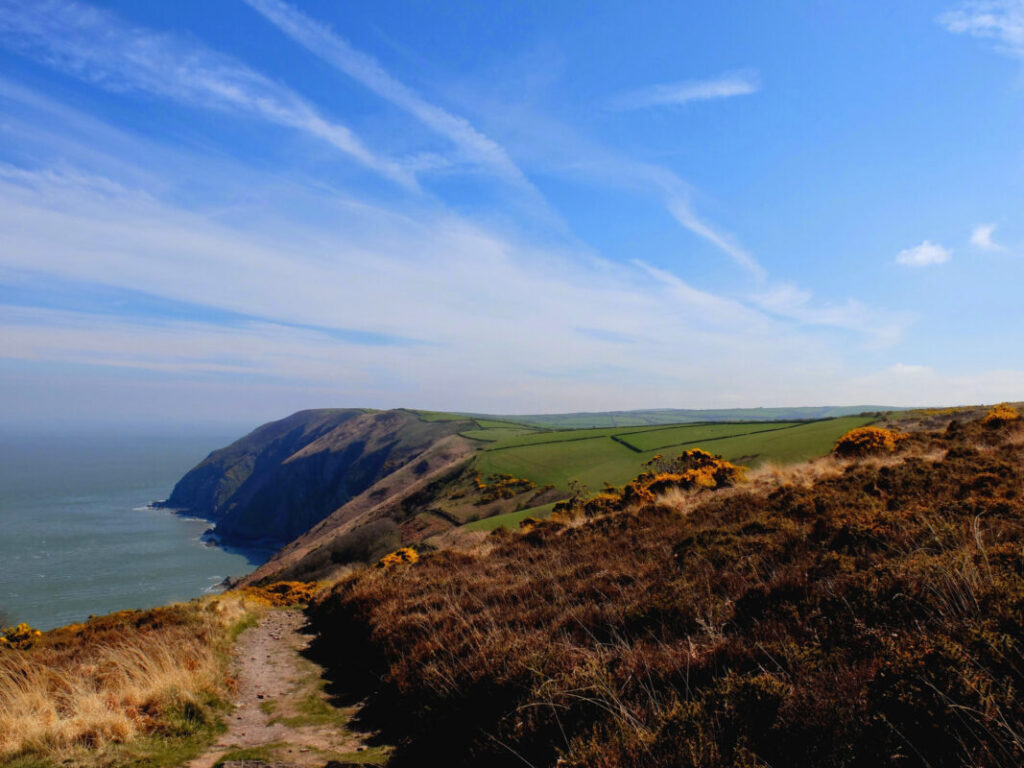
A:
(999, 20)
(789, 301)
(98, 47)
(669, 94)
(924, 255)
(464, 292)
(981, 237)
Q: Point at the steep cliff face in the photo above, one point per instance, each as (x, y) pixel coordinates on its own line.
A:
(282, 479)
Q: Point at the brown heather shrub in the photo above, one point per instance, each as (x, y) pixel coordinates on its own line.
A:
(867, 615)
(115, 678)
(1001, 416)
(865, 441)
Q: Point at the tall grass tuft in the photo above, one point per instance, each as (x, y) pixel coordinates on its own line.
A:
(116, 678)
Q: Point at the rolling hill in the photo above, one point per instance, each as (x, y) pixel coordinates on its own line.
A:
(333, 486)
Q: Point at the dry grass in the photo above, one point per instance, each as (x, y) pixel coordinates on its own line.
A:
(116, 678)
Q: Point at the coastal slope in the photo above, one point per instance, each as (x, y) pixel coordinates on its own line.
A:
(283, 478)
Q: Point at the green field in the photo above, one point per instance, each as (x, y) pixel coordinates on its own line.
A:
(440, 416)
(493, 435)
(537, 437)
(661, 438)
(591, 461)
(489, 423)
(807, 441)
(616, 455)
(509, 520)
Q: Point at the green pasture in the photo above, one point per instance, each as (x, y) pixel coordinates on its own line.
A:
(662, 438)
(596, 456)
(786, 446)
(510, 519)
(496, 434)
(563, 436)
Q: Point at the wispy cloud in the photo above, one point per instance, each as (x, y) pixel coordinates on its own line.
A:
(724, 86)
(981, 238)
(96, 46)
(517, 315)
(322, 41)
(683, 212)
(1001, 21)
(788, 301)
(926, 254)
(292, 286)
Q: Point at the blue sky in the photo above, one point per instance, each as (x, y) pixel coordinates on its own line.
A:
(228, 211)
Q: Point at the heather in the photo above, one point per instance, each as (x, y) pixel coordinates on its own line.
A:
(854, 612)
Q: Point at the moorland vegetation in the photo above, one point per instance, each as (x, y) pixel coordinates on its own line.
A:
(856, 611)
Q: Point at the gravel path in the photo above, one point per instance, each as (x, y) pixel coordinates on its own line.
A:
(282, 717)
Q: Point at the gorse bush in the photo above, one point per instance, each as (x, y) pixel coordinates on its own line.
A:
(403, 556)
(865, 441)
(280, 594)
(691, 470)
(20, 637)
(696, 468)
(873, 616)
(501, 486)
(1000, 416)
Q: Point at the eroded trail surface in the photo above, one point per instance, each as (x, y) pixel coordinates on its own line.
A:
(282, 716)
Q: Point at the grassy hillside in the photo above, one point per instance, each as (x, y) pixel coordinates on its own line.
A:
(336, 486)
(863, 612)
(132, 689)
(135, 688)
(510, 519)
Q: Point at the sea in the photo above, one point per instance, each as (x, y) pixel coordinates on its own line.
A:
(77, 534)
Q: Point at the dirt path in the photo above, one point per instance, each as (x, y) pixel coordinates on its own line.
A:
(282, 716)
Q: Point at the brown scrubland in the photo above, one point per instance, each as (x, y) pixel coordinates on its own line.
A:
(863, 610)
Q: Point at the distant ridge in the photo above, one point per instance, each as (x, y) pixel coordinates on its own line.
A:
(653, 416)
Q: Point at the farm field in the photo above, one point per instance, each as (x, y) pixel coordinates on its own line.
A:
(662, 438)
(495, 434)
(511, 519)
(616, 455)
(806, 441)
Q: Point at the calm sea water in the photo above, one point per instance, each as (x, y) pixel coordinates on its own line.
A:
(76, 537)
